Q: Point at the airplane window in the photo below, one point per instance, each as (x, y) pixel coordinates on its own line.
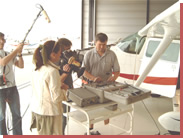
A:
(171, 54)
(132, 44)
(124, 45)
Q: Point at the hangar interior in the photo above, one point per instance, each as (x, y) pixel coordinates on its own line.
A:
(118, 19)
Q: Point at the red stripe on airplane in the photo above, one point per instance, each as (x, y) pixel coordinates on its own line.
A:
(152, 80)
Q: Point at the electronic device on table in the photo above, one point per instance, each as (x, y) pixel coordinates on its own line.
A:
(94, 93)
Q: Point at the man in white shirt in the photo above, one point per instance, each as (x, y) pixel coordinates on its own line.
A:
(8, 90)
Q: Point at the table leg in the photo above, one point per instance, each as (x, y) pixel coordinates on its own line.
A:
(67, 109)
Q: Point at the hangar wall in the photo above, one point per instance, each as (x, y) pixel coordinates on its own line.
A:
(85, 23)
(120, 18)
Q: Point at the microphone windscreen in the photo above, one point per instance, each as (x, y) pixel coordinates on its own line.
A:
(46, 16)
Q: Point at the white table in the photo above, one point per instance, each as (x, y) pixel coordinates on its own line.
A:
(97, 112)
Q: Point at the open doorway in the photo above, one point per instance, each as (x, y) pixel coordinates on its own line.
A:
(18, 15)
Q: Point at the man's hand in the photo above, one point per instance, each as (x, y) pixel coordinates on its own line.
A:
(5, 60)
(19, 48)
(64, 86)
(111, 79)
(97, 79)
(66, 68)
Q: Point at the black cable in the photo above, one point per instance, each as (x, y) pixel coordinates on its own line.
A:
(10, 129)
(41, 9)
(8, 70)
(152, 118)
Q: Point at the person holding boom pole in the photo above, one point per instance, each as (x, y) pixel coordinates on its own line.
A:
(8, 90)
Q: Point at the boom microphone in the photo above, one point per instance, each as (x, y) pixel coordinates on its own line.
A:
(46, 16)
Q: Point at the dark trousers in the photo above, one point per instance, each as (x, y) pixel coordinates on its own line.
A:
(64, 119)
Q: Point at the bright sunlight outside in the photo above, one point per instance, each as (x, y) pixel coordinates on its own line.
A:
(17, 17)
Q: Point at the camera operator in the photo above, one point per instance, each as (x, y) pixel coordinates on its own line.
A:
(66, 76)
(8, 90)
(65, 73)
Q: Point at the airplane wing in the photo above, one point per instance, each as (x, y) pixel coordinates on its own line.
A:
(170, 17)
(165, 25)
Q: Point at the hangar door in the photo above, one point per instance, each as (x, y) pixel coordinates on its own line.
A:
(120, 18)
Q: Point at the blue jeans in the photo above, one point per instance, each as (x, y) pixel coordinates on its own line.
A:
(10, 96)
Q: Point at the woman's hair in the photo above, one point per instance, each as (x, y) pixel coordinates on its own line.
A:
(64, 42)
(43, 52)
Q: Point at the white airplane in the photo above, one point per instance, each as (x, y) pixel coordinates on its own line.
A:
(151, 59)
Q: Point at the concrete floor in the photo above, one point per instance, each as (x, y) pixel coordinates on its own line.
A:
(143, 122)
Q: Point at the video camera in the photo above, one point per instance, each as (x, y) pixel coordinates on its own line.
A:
(74, 59)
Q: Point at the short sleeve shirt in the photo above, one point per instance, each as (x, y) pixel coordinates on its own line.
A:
(101, 66)
(9, 73)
